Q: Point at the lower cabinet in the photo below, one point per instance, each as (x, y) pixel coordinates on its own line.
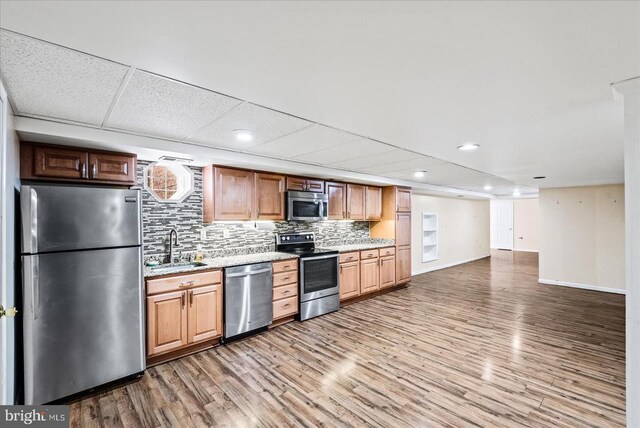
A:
(369, 274)
(349, 279)
(387, 271)
(285, 289)
(183, 310)
(403, 264)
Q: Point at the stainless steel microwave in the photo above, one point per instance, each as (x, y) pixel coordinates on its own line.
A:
(307, 206)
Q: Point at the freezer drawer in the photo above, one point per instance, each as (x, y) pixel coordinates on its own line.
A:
(62, 218)
(83, 320)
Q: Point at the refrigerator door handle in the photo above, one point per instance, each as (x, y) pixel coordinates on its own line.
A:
(32, 282)
(29, 205)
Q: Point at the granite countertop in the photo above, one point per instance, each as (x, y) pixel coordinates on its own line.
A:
(222, 262)
(362, 246)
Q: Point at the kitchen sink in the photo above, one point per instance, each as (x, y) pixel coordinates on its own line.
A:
(174, 267)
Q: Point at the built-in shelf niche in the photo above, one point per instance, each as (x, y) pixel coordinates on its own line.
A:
(429, 237)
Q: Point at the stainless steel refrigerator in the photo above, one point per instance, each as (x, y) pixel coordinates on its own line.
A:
(83, 311)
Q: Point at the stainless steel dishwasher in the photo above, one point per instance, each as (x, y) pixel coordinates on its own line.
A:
(248, 299)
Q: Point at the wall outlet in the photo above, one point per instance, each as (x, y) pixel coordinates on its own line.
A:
(203, 234)
(226, 233)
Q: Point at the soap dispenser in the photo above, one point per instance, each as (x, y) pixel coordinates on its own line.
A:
(199, 254)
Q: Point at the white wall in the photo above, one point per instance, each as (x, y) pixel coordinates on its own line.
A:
(10, 181)
(463, 231)
(526, 224)
(582, 237)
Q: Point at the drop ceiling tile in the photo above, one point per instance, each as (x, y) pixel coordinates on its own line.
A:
(347, 150)
(266, 124)
(367, 161)
(154, 105)
(419, 163)
(47, 80)
(307, 140)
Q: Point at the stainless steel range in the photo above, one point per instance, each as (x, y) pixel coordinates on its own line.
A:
(319, 280)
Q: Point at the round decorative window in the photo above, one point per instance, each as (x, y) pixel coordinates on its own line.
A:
(168, 182)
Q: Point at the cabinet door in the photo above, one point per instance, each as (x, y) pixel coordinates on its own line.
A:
(369, 275)
(166, 322)
(387, 271)
(403, 200)
(355, 202)
(403, 264)
(349, 280)
(373, 200)
(337, 194)
(110, 167)
(315, 185)
(297, 183)
(403, 229)
(60, 163)
(205, 313)
(233, 194)
(269, 201)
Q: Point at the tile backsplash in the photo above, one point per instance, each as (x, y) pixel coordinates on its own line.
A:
(220, 239)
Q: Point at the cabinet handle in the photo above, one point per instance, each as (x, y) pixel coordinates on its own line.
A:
(287, 305)
(369, 256)
(286, 292)
(348, 214)
(191, 298)
(257, 211)
(340, 268)
(83, 169)
(287, 278)
(286, 267)
(344, 214)
(186, 284)
(93, 170)
(182, 298)
(349, 258)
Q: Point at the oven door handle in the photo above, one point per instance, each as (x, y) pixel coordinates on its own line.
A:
(304, 259)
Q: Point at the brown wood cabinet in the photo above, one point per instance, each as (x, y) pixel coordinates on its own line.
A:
(369, 275)
(387, 271)
(302, 184)
(403, 199)
(269, 201)
(403, 264)
(355, 202)
(75, 164)
(337, 195)
(183, 310)
(166, 322)
(403, 229)
(233, 189)
(238, 194)
(285, 289)
(349, 275)
(373, 203)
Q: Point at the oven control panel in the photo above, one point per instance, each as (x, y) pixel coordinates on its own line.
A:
(295, 238)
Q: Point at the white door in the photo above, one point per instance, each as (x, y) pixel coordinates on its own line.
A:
(504, 225)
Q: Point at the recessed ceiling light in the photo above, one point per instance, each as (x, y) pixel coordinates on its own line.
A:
(488, 187)
(468, 146)
(540, 177)
(243, 135)
(516, 193)
(419, 174)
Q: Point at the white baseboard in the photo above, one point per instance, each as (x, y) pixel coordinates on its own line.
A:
(528, 251)
(583, 286)
(448, 265)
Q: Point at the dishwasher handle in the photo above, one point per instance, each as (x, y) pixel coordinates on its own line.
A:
(250, 273)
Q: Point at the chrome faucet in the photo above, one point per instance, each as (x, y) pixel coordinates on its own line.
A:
(172, 241)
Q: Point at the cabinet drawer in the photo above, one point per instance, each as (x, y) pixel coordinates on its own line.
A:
(285, 266)
(387, 251)
(285, 278)
(349, 257)
(285, 307)
(285, 291)
(369, 254)
(173, 283)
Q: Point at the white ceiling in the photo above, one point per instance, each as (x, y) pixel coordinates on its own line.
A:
(528, 81)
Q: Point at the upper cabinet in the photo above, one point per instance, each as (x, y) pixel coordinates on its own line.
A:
(269, 202)
(337, 194)
(403, 200)
(72, 164)
(238, 194)
(302, 184)
(373, 203)
(355, 202)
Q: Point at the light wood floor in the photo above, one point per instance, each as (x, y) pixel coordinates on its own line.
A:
(482, 344)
